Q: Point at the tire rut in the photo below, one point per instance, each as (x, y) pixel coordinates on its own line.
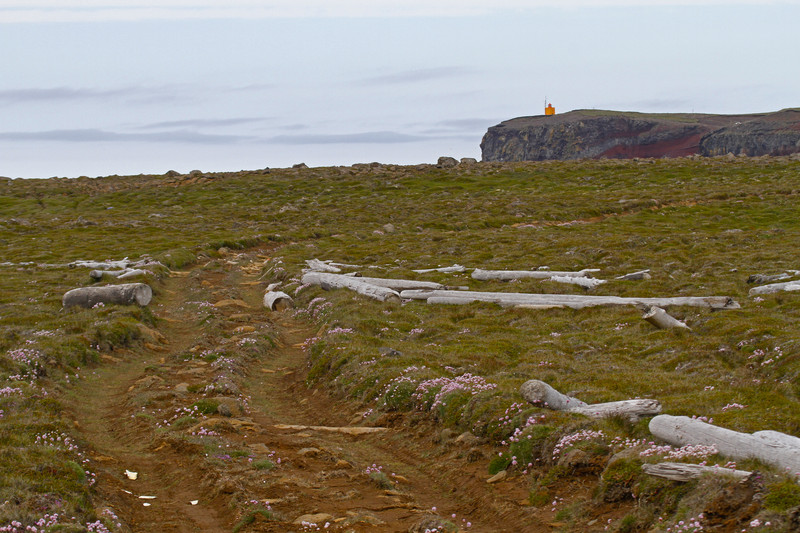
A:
(248, 464)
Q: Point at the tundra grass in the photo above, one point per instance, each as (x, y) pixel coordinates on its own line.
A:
(700, 226)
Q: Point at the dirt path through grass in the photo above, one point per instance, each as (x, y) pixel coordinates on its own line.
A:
(233, 463)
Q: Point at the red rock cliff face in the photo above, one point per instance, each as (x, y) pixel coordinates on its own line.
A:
(596, 134)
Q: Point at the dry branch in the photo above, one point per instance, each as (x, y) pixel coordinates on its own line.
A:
(319, 266)
(771, 447)
(540, 393)
(126, 294)
(687, 471)
(575, 301)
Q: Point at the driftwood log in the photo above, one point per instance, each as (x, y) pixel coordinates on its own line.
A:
(277, 301)
(586, 283)
(688, 471)
(403, 284)
(119, 274)
(770, 447)
(508, 275)
(126, 294)
(320, 266)
(775, 287)
(575, 301)
(337, 281)
(661, 319)
(540, 393)
(447, 270)
(636, 276)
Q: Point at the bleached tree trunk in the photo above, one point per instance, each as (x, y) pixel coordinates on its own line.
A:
(319, 266)
(661, 319)
(336, 281)
(446, 270)
(771, 447)
(508, 275)
(586, 283)
(119, 274)
(575, 301)
(403, 284)
(540, 393)
(126, 294)
(776, 287)
(278, 301)
(687, 471)
(635, 276)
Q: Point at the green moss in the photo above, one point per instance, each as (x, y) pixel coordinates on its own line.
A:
(206, 406)
(782, 496)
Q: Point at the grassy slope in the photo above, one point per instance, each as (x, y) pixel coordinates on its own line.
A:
(701, 227)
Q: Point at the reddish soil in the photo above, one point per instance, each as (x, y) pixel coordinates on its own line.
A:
(320, 472)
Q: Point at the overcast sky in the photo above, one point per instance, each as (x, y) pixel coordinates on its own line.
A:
(98, 87)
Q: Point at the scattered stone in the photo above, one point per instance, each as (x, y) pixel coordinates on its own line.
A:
(172, 173)
(390, 352)
(318, 518)
(300, 165)
(389, 228)
(309, 452)
(432, 523)
(475, 455)
(467, 439)
(498, 477)
(244, 329)
(182, 387)
(447, 162)
(468, 161)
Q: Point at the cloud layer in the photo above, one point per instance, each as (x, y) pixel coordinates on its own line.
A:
(33, 11)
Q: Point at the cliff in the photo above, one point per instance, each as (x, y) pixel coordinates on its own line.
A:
(592, 134)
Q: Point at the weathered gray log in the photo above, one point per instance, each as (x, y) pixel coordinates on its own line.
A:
(98, 274)
(277, 301)
(636, 276)
(447, 270)
(688, 471)
(771, 447)
(631, 409)
(126, 294)
(586, 283)
(319, 266)
(122, 263)
(776, 287)
(508, 275)
(403, 284)
(540, 393)
(767, 278)
(133, 272)
(575, 301)
(661, 319)
(337, 281)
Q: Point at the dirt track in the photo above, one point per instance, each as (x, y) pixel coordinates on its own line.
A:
(317, 471)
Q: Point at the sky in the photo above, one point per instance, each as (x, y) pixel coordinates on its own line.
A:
(101, 87)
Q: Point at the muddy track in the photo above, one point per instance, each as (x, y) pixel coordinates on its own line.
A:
(275, 452)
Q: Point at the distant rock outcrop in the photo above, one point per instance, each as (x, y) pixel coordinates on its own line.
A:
(593, 134)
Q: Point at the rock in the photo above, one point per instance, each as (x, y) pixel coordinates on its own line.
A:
(390, 352)
(309, 452)
(594, 134)
(432, 523)
(498, 477)
(467, 439)
(446, 435)
(182, 387)
(300, 165)
(318, 518)
(389, 228)
(475, 454)
(447, 162)
(468, 161)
